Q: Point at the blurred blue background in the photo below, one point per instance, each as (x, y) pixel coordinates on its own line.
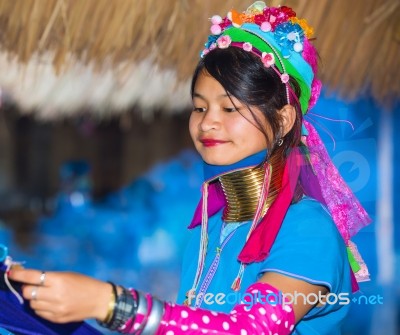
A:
(136, 235)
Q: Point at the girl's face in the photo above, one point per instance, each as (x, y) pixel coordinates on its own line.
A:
(223, 132)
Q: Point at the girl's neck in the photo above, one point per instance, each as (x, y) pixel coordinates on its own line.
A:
(242, 185)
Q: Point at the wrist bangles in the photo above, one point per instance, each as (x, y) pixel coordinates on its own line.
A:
(111, 304)
(142, 309)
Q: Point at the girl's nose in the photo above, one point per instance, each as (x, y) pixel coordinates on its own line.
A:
(211, 120)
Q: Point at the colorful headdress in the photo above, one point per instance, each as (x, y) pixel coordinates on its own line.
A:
(279, 38)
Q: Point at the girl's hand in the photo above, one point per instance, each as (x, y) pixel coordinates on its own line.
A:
(64, 296)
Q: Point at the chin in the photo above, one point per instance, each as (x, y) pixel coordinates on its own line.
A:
(217, 161)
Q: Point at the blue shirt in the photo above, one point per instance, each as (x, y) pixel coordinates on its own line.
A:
(308, 247)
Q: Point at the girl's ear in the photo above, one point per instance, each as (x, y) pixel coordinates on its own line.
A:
(288, 117)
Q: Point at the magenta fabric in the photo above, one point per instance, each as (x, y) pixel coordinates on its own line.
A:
(261, 317)
(261, 239)
(346, 210)
(216, 200)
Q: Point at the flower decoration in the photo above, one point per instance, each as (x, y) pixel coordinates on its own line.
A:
(275, 16)
(224, 41)
(285, 78)
(247, 18)
(259, 19)
(288, 30)
(289, 36)
(211, 40)
(288, 12)
(247, 46)
(268, 59)
(225, 23)
(284, 34)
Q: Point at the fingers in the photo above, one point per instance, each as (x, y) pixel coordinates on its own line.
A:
(28, 276)
(34, 292)
(48, 311)
(35, 283)
(63, 297)
(35, 295)
(42, 278)
(45, 302)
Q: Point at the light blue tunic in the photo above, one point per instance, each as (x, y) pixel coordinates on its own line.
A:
(308, 247)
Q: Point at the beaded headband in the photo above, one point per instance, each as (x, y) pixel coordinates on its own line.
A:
(278, 38)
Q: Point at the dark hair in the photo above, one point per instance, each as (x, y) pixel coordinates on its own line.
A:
(244, 76)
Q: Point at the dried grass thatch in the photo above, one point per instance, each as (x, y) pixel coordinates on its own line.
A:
(126, 46)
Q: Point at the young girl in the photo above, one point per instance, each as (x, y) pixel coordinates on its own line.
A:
(270, 251)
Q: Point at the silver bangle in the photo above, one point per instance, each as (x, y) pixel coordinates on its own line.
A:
(142, 303)
(154, 319)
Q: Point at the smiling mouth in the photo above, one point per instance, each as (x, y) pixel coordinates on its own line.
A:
(211, 142)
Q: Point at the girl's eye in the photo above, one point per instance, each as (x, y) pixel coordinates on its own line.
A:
(199, 109)
(230, 109)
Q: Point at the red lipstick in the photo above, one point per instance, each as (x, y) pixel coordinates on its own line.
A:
(210, 142)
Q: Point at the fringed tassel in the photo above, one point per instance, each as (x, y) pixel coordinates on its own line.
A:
(260, 207)
(236, 284)
(263, 197)
(203, 246)
(238, 280)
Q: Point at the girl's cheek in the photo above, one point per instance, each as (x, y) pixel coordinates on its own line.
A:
(192, 126)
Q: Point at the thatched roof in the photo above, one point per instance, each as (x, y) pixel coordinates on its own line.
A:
(58, 57)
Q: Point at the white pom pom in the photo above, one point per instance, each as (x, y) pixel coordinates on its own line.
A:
(216, 29)
(216, 19)
(298, 47)
(265, 26)
(291, 36)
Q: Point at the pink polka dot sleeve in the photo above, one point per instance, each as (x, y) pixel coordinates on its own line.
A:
(260, 312)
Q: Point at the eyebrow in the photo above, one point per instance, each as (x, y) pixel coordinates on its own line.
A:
(198, 95)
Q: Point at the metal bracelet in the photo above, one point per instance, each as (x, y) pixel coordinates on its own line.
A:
(142, 304)
(125, 309)
(128, 307)
(155, 316)
(111, 307)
